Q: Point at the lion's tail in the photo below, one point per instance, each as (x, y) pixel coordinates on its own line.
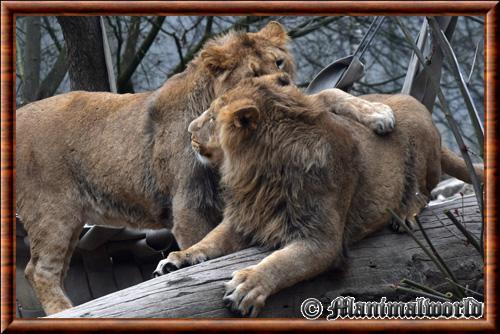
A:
(455, 166)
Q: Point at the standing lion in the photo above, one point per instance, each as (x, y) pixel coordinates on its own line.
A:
(126, 160)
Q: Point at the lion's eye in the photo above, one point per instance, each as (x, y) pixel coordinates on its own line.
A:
(280, 63)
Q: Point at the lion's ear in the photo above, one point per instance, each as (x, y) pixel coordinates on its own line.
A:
(275, 32)
(246, 117)
(215, 58)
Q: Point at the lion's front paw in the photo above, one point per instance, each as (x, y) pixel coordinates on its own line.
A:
(382, 118)
(246, 293)
(177, 260)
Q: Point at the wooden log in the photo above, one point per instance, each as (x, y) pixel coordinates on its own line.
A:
(373, 265)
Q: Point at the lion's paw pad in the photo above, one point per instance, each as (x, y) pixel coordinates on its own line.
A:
(244, 293)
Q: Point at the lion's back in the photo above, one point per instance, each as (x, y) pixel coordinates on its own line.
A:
(396, 165)
(73, 130)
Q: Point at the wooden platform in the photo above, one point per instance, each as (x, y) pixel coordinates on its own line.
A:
(106, 260)
(373, 265)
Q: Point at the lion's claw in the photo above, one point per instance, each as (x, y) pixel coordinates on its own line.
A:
(382, 120)
(245, 293)
(176, 261)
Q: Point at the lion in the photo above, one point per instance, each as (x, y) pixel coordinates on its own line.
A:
(374, 115)
(126, 160)
(307, 182)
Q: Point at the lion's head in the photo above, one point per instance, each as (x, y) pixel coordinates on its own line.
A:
(236, 108)
(238, 55)
(204, 139)
(232, 58)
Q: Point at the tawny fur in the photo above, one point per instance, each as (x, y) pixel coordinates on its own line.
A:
(304, 181)
(126, 160)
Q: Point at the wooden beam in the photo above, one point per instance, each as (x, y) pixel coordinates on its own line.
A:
(373, 265)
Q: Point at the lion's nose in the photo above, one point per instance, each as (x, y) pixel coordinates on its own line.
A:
(193, 126)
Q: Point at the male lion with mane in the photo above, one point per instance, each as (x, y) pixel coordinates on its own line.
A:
(306, 181)
(126, 160)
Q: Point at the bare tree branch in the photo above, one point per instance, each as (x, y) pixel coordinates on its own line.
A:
(54, 78)
(312, 25)
(178, 46)
(194, 50)
(50, 30)
(126, 59)
(126, 74)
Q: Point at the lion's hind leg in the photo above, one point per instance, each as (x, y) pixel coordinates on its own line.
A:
(52, 241)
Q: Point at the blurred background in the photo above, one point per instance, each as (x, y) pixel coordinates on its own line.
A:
(147, 50)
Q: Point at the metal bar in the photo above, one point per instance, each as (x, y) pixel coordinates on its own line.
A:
(451, 121)
(414, 64)
(367, 39)
(107, 57)
(455, 69)
(419, 85)
(362, 47)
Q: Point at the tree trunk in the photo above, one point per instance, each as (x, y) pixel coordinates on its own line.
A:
(85, 53)
(32, 55)
(54, 77)
(372, 266)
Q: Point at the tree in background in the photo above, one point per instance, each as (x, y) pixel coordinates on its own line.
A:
(33, 61)
(145, 51)
(32, 58)
(85, 53)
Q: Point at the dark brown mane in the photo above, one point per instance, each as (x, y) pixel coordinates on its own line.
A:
(267, 172)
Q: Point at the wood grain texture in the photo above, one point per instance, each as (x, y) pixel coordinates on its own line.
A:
(491, 162)
(252, 7)
(373, 264)
(11, 8)
(7, 169)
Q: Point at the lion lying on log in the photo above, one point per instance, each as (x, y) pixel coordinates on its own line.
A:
(307, 182)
